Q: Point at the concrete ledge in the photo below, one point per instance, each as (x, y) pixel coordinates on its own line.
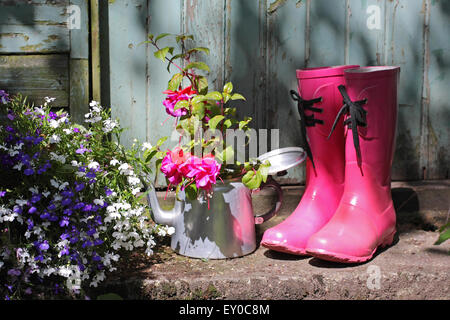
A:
(412, 268)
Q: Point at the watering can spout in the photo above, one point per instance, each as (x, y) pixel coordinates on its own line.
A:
(160, 216)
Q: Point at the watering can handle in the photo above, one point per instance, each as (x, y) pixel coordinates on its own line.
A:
(270, 183)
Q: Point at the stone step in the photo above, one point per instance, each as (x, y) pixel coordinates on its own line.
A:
(412, 268)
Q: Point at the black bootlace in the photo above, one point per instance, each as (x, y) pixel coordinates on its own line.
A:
(357, 117)
(307, 121)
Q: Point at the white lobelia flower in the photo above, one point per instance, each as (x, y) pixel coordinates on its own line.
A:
(67, 131)
(146, 146)
(109, 125)
(93, 165)
(49, 99)
(54, 124)
(55, 139)
(113, 162)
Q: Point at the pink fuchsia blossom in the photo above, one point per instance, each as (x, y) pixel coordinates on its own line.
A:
(178, 164)
(173, 97)
(171, 163)
(207, 173)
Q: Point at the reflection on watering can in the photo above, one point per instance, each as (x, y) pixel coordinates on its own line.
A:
(225, 230)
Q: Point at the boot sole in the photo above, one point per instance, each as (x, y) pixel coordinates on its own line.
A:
(285, 249)
(339, 257)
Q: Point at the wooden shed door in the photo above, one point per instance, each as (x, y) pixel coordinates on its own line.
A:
(44, 51)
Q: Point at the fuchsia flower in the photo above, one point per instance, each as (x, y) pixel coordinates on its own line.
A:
(208, 172)
(173, 97)
(178, 164)
(171, 163)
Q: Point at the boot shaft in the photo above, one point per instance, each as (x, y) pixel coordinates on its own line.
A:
(378, 85)
(328, 154)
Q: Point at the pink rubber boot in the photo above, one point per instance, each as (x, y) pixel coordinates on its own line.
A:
(318, 104)
(365, 218)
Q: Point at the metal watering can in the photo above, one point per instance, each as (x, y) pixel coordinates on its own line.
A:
(227, 228)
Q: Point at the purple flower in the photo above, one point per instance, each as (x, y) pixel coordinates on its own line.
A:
(2, 193)
(98, 242)
(81, 150)
(44, 245)
(66, 201)
(90, 175)
(28, 172)
(30, 224)
(28, 291)
(76, 130)
(35, 198)
(79, 186)
(108, 192)
(87, 207)
(64, 251)
(64, 222)
(11, 116)
(4, 97)
(14, 272)
(32, 210)
(78, 205)
(67, 212)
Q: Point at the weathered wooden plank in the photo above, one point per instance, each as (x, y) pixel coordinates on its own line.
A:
(79, 31)
(95, 49)
(79, 89)
(206, 21)
(327, 36)
(438, 80)
(366, 32)
(129, 67)
(33, 26)
(285, 54)
(404, 47)
(36, 76)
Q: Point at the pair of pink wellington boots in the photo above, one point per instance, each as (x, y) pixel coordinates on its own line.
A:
(349, 116)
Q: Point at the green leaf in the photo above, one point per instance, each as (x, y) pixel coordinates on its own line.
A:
(191, 191)
(227, 155)
(214, 95)
(149, 156)
(162, 53)
(150, 36)
(445, 234)
(109, 296)
(175, 82)
(227, 123)
(237, 96)
(198, 109)
(203, 49)
(202, 85)
(244, 123)
(161, 141)
(181, 104)
(184, 37)
(252, 180)
(162, 35)
(197, 65)
(213, 122)
(228, 88)
(198, 99)
(226, 97)
(264, 170)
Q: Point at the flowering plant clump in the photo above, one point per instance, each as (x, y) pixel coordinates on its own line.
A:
(197, 109)
(69, 209)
